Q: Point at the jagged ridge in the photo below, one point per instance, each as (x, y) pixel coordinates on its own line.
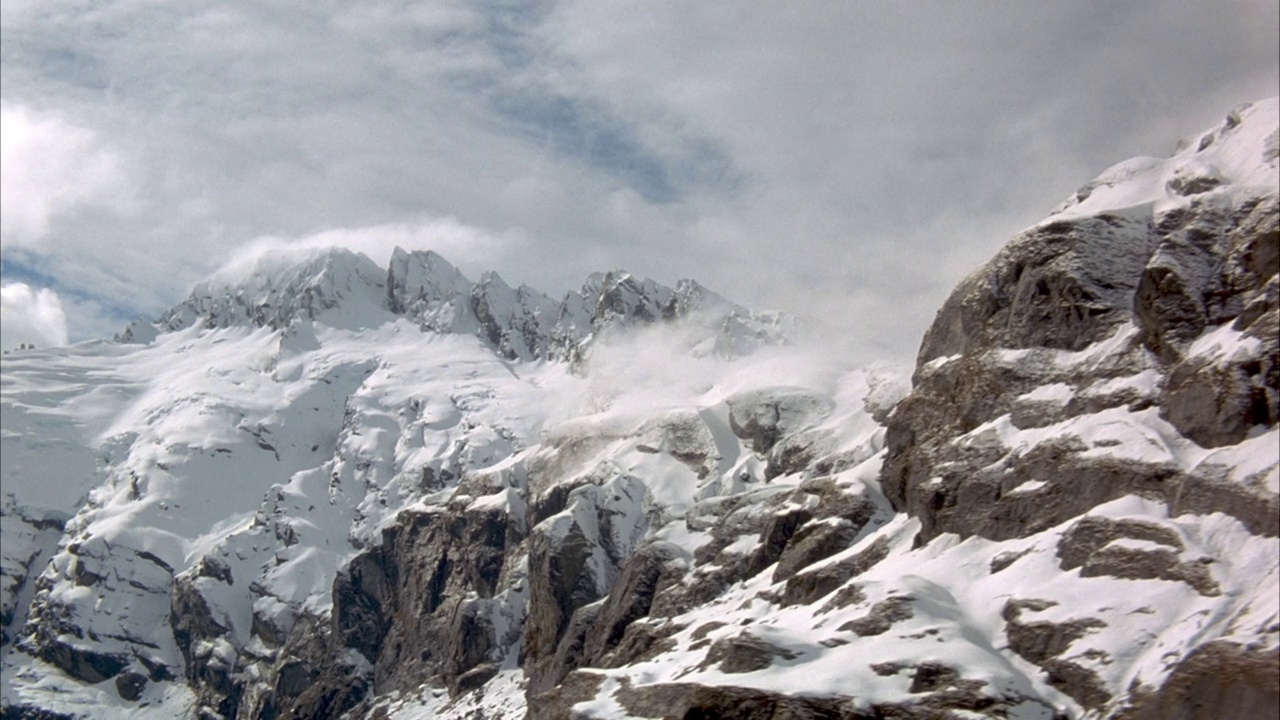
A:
(1050, 524)
(347, 289)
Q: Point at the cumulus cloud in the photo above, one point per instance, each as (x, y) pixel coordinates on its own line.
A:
(50, 166)
(470, 249)
(31, 316)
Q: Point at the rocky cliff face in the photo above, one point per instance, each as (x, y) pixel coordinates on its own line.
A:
(392, 497)
(1126, 346)
(1154, 307)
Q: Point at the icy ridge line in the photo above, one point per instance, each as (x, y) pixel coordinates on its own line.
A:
(346, 289)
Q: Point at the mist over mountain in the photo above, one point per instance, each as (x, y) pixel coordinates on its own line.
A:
(323, 487)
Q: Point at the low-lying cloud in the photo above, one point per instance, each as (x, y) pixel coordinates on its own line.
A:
(471, 249)
(30, 317)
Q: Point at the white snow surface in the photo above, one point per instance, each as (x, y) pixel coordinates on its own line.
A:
(957, 600)
(278, 450)
(279, 453)
(1234, 160)
(265, 431)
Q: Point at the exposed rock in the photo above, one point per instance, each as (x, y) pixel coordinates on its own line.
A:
(840, 517)
(556, 702)
(130, 685)
(1058, 398)
(699, 702)
(932, 676)
(511, 320)
(1217, 404)
(474, 678)
(692, 701)
(1087, 545)
(1132, 564)
(1216, 680)
(812, 543)
(80, 663)
(345, 682)
(685, 436)
(305, 665)
(362, 602)
(764, 417)
(209, 658)
(1090, 534)
(881, 617)
(846, 596)
(1041, 641)
(643, 640)
(1170, 299)
(650, 569)
(560, 583)
(293, 679)
(412, 610)
(1257, 508)
(1005, 559)
(1067, 285)
(777, 532)
(887, 669)
(1082, 684)
(744, 653)
(810, 585)
(1216, 397)
(1059, 285)
(26, 712)
(571, 651)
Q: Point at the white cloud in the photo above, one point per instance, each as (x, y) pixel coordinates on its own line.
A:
(50, 166)
(31, 316)
(850, 162)
(470, 249)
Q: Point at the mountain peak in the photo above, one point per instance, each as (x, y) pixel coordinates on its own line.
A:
(1072, 510)
(341, 288)
(277, 287)
(1238, 158)
(420, 280)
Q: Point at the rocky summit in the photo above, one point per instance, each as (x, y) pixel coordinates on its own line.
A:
(322, 488)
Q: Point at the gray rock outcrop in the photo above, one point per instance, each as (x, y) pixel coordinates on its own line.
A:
(1072, 513)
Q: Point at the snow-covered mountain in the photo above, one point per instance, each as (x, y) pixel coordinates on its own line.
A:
(320, 488)
(283, 290)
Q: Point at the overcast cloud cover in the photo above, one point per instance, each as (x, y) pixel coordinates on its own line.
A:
(849, 160)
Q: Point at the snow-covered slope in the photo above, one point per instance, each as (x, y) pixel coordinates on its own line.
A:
(321, 488)
(172, 498)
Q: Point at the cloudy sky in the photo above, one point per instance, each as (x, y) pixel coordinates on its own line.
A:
(847, 160)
